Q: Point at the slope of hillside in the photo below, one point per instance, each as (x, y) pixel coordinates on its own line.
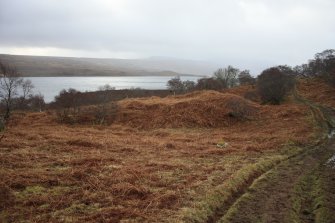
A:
(52, 172)
(317, 90)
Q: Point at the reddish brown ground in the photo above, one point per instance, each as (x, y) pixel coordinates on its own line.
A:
(318, 91)
(52, 172)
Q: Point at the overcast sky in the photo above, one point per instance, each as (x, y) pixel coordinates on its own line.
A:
(250, 34)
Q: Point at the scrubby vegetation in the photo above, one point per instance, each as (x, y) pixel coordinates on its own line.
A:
(198, 109)
(109, 173)
(223, 78)
(273, 85)
(195, 157)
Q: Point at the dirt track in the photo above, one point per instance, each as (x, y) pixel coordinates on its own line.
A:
(300, 189)
(273, 197)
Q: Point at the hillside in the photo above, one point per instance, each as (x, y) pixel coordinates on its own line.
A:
(71, 66)
(318, 91)
(172, 159)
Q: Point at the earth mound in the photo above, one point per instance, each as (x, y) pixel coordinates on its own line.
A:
(197, 109)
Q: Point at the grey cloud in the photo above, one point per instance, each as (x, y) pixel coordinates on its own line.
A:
(256, 33)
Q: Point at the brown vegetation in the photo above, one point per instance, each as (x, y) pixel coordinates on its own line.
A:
(273, 85)
(52, 172)
(317, 90)
(198, 109)
(159, 159)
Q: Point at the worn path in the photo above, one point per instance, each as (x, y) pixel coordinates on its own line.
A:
(300, 189)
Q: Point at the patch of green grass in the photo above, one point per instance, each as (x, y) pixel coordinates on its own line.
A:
(69, 214)
(312, 186)
(247, 198)
(77, 208)
(323, 200)
(38, 190)
(29, 191)
(303, 196)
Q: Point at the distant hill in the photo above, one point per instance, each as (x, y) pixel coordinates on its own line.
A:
(42, 66)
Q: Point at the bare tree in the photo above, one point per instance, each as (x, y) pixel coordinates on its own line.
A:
(27, 88)
(322, 66)
(36, 102)
(106, 87)
(189, 85)
(68, 105)
(228, 76)
(209, 84)
(10, 81)
(175, 84)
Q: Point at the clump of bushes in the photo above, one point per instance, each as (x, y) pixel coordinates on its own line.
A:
(245, 78)
(209, 84)
(222, 78)
(179, 86)
(71, 108)
(227, 76)
(273, 85)
(96, 114)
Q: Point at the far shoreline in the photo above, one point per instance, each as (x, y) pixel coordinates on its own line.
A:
(181, 75)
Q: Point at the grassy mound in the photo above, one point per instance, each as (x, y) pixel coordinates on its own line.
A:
(197, 109)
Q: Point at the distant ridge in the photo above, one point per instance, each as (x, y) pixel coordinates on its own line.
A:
(47, 66)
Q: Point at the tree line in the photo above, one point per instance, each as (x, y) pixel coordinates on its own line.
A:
(222, 78)
(272, 85)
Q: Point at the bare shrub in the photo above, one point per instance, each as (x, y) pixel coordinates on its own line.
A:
(189, 85)
(240, 109)
(227, 76)
(209, 84)
(244, 78)
(34, 102)
(72, 108)
(67, 104)
(273, 85)
(175, 84)
(101, 114)
(106, 87)
(105, 114)
(178, 86)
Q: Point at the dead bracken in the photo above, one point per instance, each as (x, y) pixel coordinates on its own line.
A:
(159, 156)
